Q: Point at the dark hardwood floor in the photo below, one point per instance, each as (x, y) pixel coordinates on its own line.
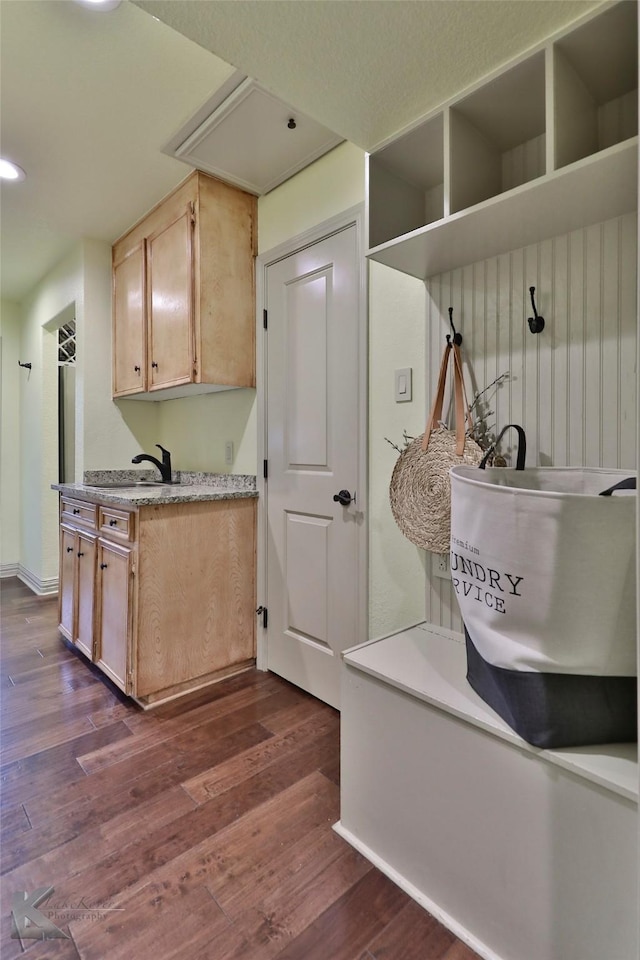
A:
(199, 830)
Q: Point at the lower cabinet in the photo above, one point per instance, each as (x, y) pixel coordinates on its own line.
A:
(114, 604)
(162, 597)
(77, 583)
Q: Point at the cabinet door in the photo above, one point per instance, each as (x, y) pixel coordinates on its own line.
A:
(129, 328)
(114, 572)
(67, 592)
(170, 303)
(86, 557)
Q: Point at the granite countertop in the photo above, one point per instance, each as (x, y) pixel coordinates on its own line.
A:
(189, 487)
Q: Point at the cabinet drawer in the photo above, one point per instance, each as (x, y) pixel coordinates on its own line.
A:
(78, 512)
(116, 524)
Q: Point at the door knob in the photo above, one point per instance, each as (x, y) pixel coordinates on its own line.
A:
(344, 497)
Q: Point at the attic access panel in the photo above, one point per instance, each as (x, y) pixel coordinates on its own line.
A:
(249, 140)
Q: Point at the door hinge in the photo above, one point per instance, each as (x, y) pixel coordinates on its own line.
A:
(264, 319)
(265, 469)
(264, 613)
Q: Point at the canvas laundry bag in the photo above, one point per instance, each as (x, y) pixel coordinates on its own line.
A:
(543, 566)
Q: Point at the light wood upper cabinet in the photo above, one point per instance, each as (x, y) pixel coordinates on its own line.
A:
(129, 323)
(184, 294)
(171, 340)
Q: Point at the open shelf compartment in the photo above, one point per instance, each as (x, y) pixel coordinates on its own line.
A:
(498, 135)
(406, 183)
(595, 84)
(542, 147)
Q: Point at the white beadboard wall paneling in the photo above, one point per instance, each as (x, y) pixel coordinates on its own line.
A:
(574, 386)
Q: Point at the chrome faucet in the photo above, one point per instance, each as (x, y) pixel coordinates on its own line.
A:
(164, 467)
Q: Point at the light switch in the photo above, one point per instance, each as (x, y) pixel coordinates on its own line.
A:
(403, 386)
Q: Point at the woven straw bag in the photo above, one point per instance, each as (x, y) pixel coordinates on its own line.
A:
(420, 489)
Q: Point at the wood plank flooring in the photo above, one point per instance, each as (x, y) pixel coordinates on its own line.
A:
(200, 830)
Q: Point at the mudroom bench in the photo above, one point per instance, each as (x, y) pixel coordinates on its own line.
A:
(526, 854)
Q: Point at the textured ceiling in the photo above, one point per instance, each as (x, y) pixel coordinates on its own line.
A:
(366, 68)
(89, 100)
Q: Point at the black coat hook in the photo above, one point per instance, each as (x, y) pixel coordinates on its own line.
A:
(536, 322)
(27, 365)
(457, 337)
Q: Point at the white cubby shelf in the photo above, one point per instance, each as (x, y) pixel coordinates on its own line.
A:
(544, 146)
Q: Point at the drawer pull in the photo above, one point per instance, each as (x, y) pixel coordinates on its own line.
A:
(112, 523)
(76, 509)
(103, 566)
(69, 549)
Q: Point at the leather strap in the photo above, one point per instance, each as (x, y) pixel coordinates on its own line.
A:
(462, 413)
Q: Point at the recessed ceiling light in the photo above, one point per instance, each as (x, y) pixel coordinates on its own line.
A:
(100, 4)
(11, 171)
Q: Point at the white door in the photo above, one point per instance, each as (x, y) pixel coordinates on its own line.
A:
(313, 448)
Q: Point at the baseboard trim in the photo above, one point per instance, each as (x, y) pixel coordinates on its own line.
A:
(42, 588)
(445, 919)
(9, 570)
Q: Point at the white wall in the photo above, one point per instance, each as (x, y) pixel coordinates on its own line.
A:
(574, 386)
(324, 189)
(104, 438)
(196, 429)
(397, 337)
(38, 420)
(10, 437)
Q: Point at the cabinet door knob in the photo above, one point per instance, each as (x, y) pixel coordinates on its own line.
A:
(103, 566)
(69, 549)
(154, 364)
(137, 368)
(80, 553)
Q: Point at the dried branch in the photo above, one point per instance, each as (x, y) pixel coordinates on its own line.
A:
(406, 440)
